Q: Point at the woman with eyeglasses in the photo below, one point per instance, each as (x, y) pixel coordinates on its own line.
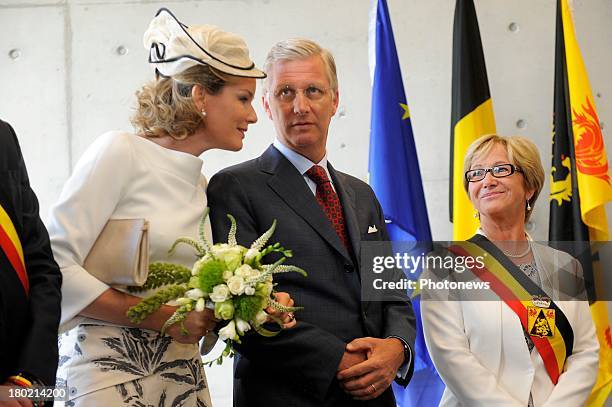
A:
(532, 343)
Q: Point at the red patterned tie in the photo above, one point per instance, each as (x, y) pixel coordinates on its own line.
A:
(329, 202)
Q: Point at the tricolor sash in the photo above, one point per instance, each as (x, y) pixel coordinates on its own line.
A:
(541, 318)
(11, 246)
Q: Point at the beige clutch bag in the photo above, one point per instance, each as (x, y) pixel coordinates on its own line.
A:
(120, 255)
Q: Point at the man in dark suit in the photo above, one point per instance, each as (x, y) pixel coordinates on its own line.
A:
(30, 279)
(344, 351)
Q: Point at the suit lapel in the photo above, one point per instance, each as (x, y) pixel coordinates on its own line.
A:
(289, 185)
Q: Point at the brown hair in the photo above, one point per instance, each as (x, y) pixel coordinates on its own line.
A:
(165, 107)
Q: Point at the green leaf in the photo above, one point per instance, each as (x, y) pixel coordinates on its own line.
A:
(265, 332)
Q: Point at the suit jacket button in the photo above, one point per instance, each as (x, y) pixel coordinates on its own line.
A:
(349, 268)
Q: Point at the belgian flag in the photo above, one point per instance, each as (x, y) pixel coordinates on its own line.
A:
(471, 112)
(580, 184)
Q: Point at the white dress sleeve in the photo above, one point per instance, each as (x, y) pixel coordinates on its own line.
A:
(86, 203)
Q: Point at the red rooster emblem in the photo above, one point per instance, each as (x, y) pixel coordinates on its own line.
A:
(589, 143)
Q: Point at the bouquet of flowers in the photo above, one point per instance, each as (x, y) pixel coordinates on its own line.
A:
(227, 277)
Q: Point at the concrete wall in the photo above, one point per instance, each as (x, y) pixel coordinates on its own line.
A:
(69, 69)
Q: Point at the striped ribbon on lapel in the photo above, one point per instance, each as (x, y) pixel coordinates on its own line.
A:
(11, 246)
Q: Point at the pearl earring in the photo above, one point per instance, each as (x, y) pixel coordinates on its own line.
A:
(477, 214)
(203, 113)
(528, 206)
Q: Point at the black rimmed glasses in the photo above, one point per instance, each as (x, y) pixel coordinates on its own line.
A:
(287, 94)
(498, 171)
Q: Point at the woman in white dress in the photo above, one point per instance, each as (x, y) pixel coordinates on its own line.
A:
(533, 342)
(201, 99)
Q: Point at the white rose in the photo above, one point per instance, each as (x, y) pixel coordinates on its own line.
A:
(250, 255)
(242, 326)
(228, 331)
(227, 274)
(254, 273)
(261, 318)
(249, 290)
(243, 271)
(231, 255)
(236, 285)
(195, 294)
(220, 293)
(200, 305)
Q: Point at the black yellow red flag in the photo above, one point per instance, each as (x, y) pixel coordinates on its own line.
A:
(471, 111)
(579, 180)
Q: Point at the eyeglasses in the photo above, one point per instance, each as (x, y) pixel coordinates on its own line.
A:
(498, 171)
(287, 94)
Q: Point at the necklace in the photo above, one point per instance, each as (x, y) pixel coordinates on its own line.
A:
(528, 269)
(518, 255)
(512, 255)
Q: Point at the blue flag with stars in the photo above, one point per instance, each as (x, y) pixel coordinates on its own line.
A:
(396, 180)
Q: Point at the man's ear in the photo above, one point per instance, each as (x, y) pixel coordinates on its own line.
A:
(198, 95)
(335, 100)
(266, 104)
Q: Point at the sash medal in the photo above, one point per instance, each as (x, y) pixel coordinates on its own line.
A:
(540, 318)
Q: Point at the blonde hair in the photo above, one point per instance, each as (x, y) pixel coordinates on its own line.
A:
(165, 107)
(522, 152)
(299, 48)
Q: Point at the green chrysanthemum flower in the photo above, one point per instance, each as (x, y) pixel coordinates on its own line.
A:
(210, 274)
(247, 306)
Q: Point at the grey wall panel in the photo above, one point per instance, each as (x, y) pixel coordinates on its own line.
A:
(32, 81)
(108, 65)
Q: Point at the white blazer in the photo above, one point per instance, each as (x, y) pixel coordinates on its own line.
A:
(479, 349)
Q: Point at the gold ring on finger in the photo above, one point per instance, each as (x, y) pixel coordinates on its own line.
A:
(373, 388)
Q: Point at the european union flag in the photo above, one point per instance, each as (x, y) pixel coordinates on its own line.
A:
(396, 179)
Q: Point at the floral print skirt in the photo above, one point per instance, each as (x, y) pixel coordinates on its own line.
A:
(105, 366)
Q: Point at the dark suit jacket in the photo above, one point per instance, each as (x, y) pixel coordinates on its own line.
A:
(28, 323)
(298, 367)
